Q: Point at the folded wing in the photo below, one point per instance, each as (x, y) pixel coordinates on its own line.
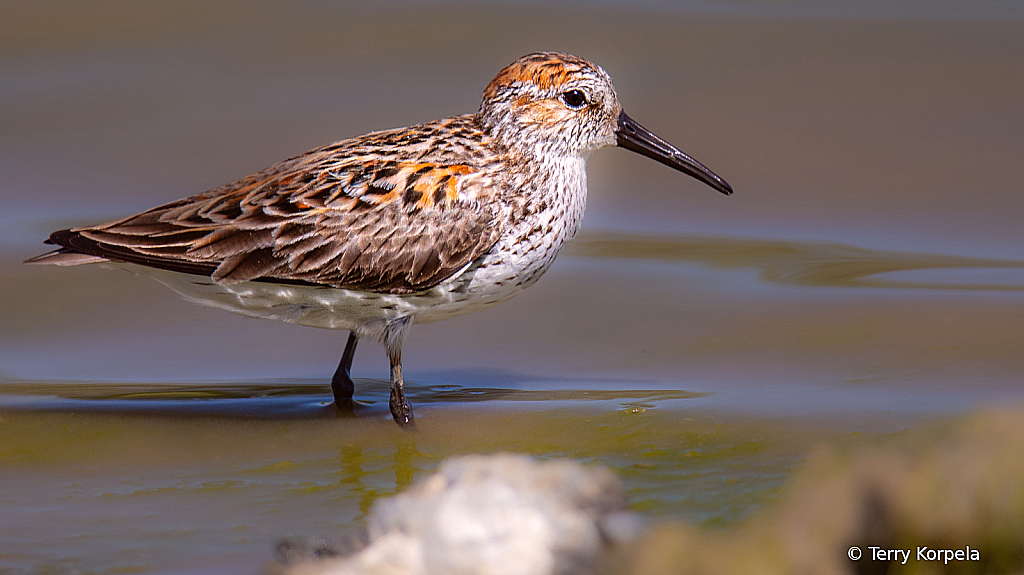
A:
(349, 222)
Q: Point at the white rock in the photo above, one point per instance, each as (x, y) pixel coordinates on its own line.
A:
(493, 515)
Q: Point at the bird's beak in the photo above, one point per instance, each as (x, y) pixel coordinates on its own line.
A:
(633, 136)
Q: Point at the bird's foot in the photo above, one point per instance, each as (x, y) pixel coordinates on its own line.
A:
(343, 388)
(401, 410)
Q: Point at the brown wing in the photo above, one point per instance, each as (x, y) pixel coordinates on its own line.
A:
(347, 222)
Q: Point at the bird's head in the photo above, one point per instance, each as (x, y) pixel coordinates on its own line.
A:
(550, 103)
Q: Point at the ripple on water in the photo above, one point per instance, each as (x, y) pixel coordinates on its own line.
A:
(812, 263)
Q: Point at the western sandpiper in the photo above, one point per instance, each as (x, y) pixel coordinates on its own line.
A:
(411, 225)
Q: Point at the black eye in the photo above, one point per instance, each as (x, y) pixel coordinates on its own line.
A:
(574, 99)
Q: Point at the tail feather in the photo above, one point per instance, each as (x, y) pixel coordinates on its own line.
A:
(77, 249)
(63, 257)
(67, 255)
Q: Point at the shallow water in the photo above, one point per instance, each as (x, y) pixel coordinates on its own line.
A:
(867, 274)
(166, 478)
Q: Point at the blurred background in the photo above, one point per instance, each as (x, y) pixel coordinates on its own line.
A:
(866, 275)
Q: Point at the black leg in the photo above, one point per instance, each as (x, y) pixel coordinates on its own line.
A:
(341, 383)
(401, 410)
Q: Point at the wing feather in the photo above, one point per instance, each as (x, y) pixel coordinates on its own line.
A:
(338, 216)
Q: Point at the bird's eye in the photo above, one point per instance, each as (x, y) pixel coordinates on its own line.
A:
(574, 99)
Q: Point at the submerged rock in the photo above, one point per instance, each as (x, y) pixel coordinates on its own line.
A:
(493, 515)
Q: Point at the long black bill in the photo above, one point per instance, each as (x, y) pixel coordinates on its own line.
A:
(633, 136)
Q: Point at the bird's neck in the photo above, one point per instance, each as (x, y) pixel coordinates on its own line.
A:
(526, 141)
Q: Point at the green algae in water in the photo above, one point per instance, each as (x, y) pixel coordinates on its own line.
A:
(672, 462)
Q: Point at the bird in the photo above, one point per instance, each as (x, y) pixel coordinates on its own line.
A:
(397, 227)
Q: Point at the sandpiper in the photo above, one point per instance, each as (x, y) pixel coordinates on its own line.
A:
(411, 225)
